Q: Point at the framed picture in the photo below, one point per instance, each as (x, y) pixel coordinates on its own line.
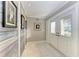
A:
(22, 21)
(37, 26)
(9, 14)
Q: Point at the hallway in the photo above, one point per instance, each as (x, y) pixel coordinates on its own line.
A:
(39, 29)
(40, 49)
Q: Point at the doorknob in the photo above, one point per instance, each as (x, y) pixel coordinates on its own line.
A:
(57, 34)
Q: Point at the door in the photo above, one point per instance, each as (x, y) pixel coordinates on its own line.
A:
(53, 36)
(64, 33)
(64, 38)
(61, 36)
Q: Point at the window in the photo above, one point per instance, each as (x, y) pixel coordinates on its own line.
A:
(53, 27)
(66, 27)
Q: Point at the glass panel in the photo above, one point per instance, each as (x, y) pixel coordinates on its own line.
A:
(66, 27)
(53, 27)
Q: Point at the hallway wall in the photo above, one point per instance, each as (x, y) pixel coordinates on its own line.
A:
(9, 38)
(67, 45)
(32, 34)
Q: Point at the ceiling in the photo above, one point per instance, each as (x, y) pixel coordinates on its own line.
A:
(40, 9)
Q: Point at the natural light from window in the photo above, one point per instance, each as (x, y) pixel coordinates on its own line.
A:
(53, 27)
(66, 27)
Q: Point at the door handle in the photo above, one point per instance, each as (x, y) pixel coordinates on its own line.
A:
(57, 34)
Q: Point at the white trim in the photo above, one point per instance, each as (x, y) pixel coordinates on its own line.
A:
(19, 28)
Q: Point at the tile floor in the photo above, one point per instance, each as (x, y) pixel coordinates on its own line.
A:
(40, 49)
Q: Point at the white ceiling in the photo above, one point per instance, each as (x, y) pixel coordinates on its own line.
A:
(40, 9)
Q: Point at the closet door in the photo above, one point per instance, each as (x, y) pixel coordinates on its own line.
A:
(67, 32)
(53, 37)
(64, 39)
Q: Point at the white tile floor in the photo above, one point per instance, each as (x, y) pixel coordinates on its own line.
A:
(40, 49)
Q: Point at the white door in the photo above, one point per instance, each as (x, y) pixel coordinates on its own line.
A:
(68, 32)
(53, 36)
(64, 38)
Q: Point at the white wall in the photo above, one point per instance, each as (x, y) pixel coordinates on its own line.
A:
(8, 45)
(32, 34)
(67, 45)
(9, 39)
